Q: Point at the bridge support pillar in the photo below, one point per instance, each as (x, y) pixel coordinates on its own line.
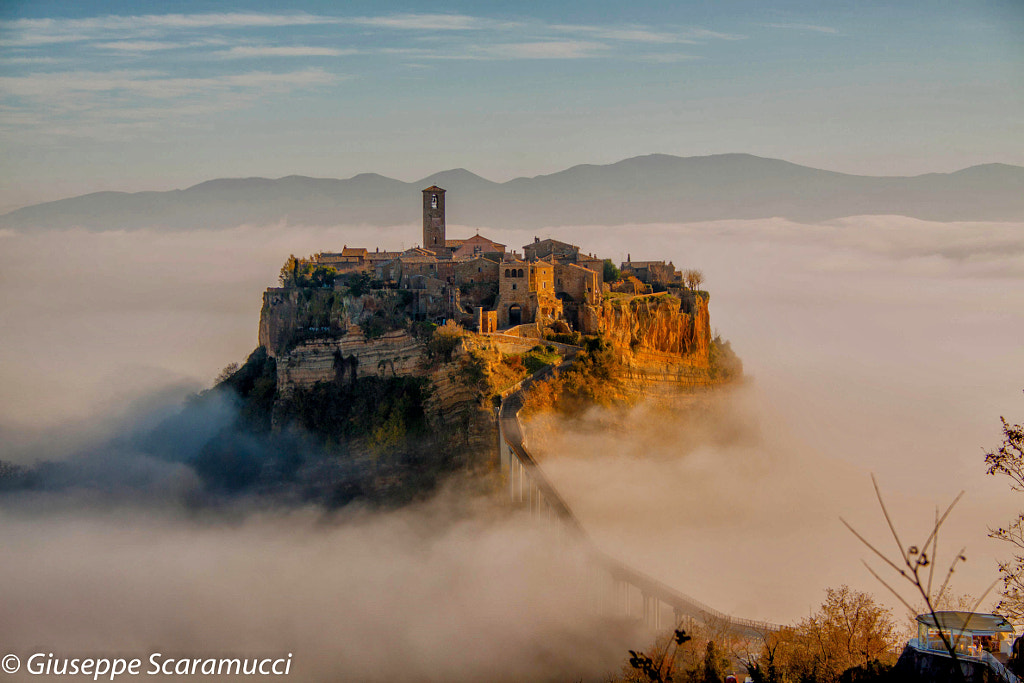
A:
(622, 594)
(652, 611)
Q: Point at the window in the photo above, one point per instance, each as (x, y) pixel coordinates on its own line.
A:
(507, 273)
(520, 273)
(513, 285)
(479, 269)
(433, 201)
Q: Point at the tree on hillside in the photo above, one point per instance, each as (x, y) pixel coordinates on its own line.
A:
(611, 272)
(444, 340)
(693, 278)
(323, 276)
(850, 630)
(290, 271)
(1008, 460)
(850, 636)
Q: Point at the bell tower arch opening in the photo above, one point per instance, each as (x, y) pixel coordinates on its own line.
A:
(433, 219)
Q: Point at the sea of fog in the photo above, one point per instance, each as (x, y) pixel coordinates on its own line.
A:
(877, 345)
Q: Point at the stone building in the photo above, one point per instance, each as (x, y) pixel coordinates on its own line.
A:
(433, 221)
(478, 245)
(575, 286)
(631, 285)
(652, 272)
(348, 260)
(548, 247)
(526, 292)
(476, 271)
(477, 280)
(486, 321)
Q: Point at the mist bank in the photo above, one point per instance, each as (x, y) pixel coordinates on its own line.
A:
(875, 344)
(447, 590)
(647, 189)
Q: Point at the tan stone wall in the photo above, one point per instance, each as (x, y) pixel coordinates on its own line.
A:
(533, 292)
(427, 269)
(593, 263)
(547, 306)
(582, 284)
(513, 289)
(486, 321)
(476, 270)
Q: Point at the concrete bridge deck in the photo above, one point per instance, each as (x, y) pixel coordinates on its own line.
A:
(527, 485)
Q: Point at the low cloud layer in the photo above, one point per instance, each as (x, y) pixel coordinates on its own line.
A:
(875, 344)
(443, 591)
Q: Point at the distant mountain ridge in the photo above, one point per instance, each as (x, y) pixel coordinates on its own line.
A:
(646, 189)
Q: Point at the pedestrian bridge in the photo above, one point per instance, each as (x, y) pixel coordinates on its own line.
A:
(617, 587)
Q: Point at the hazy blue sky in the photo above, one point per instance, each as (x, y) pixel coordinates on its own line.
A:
(129, 96)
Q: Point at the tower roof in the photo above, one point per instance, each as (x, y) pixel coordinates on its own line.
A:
(434, 188)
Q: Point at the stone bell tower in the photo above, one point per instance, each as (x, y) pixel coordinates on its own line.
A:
(433, 219)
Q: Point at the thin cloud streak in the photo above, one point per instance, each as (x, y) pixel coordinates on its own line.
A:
(554, 49)
(430, 22)
(152, 84)
(804, 27)
(141, 45)
(638, 34)
(241, 51)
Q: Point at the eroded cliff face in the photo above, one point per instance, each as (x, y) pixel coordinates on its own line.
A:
(394, 354)
(291, 316)
(457, 408)
(659, 323)
(661, 341)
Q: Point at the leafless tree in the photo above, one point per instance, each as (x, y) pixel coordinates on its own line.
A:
(916, 565)
(1008, 460)
(693, 278)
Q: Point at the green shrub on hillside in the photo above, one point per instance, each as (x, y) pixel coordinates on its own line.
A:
(444, 340)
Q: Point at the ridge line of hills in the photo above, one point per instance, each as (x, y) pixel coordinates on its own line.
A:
(644, 189)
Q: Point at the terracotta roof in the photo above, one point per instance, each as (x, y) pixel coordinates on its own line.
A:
(352, 251)
(434, 188)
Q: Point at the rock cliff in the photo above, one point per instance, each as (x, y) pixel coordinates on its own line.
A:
(662, 342)
(393, 354)
(659, 323)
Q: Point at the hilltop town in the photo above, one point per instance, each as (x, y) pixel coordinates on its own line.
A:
(549, 286)
(385, 368)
